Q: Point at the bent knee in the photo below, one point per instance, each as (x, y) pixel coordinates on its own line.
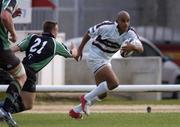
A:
(18, 71)
(22, 79)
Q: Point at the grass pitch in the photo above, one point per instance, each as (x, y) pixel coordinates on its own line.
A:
(99, 120)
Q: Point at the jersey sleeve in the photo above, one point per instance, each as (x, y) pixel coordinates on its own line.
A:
(62, 50)
(98, 29)
(9, 5)
(133, 37)
(25, 42)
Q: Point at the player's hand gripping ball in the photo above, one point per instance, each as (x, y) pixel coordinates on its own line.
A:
(126, 53)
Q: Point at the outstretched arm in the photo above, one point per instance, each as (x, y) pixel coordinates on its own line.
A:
(74, 50)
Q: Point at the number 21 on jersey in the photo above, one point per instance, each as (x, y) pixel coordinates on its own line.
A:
(35, 47)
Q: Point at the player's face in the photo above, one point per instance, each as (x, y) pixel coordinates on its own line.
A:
(123, 23)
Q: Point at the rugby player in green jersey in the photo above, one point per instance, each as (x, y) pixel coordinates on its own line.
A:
(39, 51)
(8, 61)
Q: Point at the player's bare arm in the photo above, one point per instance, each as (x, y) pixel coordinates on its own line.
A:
(81, 47)
(139, 49)
(130, 47)
(6, 18)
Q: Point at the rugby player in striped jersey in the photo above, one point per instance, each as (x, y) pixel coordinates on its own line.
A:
(108, 37)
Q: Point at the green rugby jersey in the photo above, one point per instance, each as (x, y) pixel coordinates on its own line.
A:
(41, 49)
(9, 5)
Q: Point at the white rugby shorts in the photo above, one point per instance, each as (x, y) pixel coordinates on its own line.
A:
(95, 62)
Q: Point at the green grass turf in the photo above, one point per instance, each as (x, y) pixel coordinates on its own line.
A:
(99, 120)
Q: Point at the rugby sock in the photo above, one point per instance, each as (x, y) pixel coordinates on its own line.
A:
(100, 89)
(1, 104)
(18, 106)
(12, 94)
(78, 108)
(95, 100)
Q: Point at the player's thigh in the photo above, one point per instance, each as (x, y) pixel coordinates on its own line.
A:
(8, 61)
(106, 74)
(28, 98)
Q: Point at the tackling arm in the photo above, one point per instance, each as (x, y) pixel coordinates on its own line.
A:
(74, 50)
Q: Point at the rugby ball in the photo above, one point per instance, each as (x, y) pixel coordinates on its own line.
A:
(125, 53)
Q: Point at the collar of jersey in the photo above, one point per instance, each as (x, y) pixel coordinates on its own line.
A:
(117, 28)
(47, 34)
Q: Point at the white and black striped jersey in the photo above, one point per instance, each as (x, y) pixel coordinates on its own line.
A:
(108, 40)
